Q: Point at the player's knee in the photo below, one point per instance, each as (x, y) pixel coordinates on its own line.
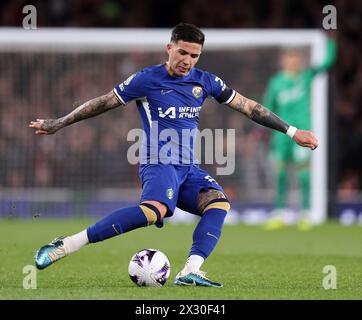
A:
(222, 204)
(153, 210)
(212, 199)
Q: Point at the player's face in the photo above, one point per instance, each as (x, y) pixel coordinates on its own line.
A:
(182, 57)
(292, 62)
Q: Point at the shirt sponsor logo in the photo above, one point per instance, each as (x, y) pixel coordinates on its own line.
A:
(180, 112)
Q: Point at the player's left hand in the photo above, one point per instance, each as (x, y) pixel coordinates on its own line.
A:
(306, 139)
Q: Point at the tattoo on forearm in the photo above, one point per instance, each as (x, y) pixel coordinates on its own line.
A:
(258, 113)
(267, 118)
(90, 109)
(241, 105)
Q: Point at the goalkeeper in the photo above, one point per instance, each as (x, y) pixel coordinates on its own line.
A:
(288, 95)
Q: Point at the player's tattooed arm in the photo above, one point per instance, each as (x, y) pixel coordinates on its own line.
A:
(258, 113)
(88, 109)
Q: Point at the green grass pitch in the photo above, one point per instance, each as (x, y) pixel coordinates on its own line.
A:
(252, 263)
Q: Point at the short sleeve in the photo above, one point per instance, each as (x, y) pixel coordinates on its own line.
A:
(219, 90)
(132, 88)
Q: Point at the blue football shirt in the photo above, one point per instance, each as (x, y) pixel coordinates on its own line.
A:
(169, 107)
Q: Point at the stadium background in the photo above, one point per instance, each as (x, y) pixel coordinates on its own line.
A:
(86, 158)
(74, 165)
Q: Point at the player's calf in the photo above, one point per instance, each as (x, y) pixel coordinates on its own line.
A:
(208, 230)
(205, 238)
(118, 222)
(126, 219)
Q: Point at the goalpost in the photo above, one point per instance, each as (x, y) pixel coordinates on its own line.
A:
(98, 41)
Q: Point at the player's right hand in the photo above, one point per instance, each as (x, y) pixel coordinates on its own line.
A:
(45, 126)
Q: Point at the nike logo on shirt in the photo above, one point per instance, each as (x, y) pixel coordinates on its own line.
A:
(163, 92)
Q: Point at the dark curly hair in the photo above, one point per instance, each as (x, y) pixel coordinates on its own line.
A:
(187, 32)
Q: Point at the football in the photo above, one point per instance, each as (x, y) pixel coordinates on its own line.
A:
(150, 268)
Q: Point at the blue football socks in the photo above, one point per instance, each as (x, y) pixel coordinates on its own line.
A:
(118, 222)
(207, 232)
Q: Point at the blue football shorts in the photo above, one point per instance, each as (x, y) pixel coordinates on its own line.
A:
(175, 186)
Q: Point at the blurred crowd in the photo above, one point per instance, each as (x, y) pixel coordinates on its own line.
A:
(345, 81)
(93, 153)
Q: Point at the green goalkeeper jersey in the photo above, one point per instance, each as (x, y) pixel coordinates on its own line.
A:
(289, 96)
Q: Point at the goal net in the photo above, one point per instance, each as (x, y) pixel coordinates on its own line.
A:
(83, 170)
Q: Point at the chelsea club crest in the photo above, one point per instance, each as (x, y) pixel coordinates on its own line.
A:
(197, 92)
(169, 193)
